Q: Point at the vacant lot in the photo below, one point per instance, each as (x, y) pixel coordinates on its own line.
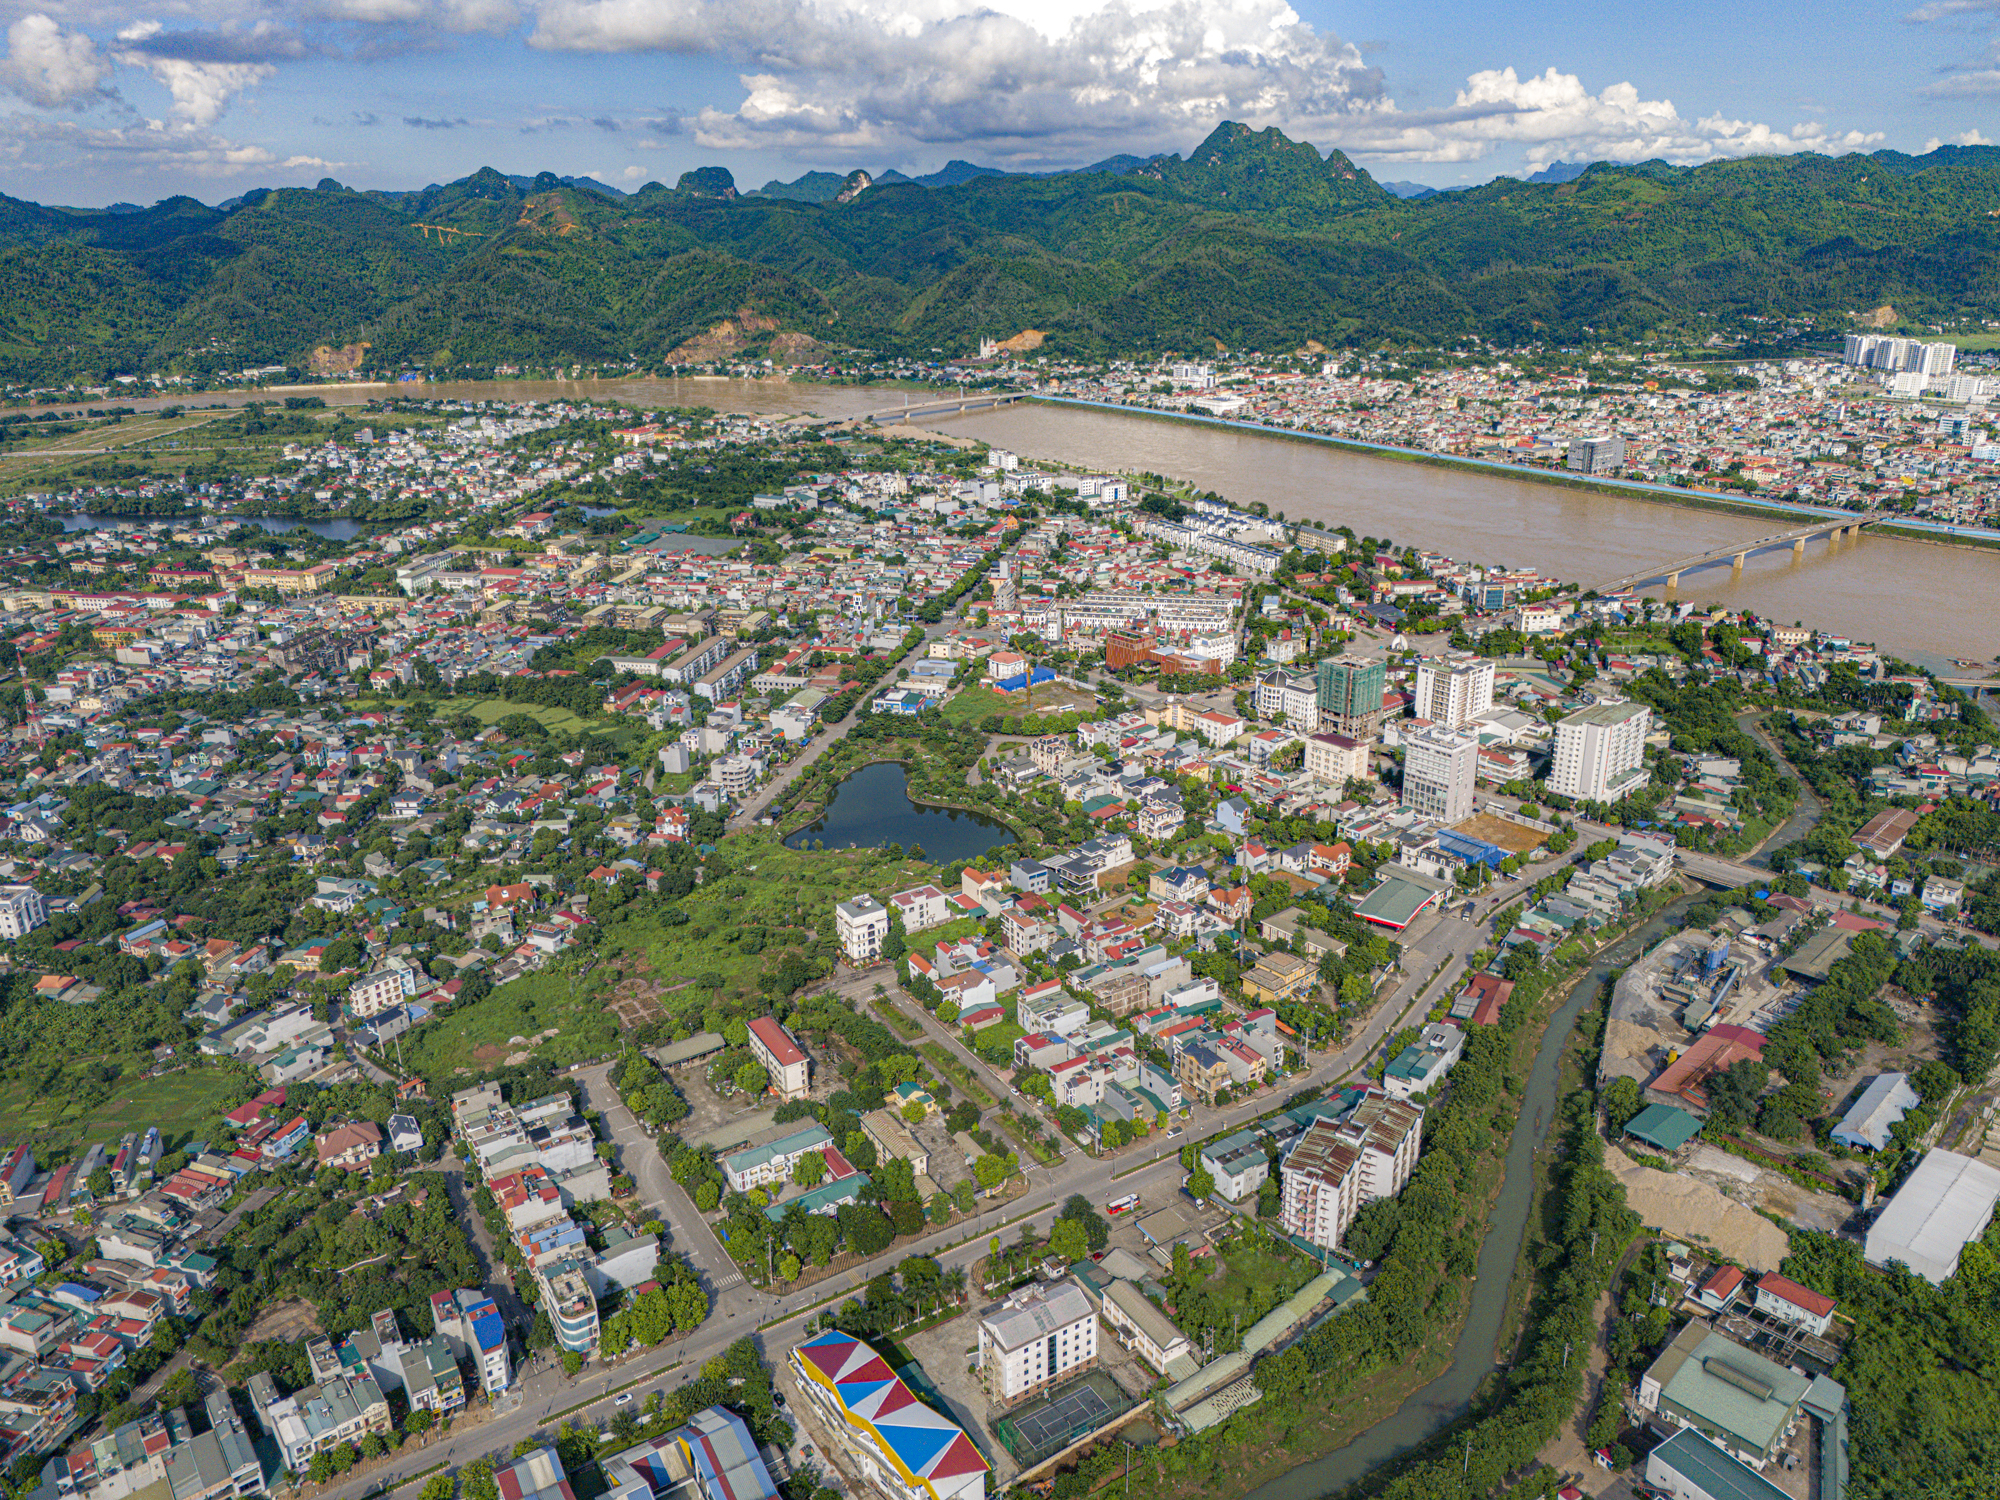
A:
(184, 1106)
(1501, 833)
(1693, 1210)
(978, 702)
(479, 1036)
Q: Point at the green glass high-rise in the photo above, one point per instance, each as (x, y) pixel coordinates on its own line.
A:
(1350, 694)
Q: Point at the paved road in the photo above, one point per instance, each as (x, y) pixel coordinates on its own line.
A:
(499, 1286)
(638, 1154)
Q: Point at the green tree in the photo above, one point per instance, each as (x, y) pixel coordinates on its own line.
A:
(476, 1482)
(1069, 1240)
(753, 1078)
(1200, 1183)
(1622, 1104)
(810, 1170)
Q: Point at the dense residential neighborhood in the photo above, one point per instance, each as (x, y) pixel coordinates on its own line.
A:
(737, 956)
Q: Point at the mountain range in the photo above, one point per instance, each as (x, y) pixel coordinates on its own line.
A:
(1252, 241)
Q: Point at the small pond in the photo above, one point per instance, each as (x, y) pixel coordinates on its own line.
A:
(872, 808)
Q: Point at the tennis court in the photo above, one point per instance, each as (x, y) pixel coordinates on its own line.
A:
(1052, 1424)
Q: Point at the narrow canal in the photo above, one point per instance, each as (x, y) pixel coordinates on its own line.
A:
(1448, 1397)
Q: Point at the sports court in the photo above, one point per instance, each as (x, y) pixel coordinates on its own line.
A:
(1053, 1423)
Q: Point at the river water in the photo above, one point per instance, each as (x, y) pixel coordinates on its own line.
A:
(1923, 602)
(1447, 1398)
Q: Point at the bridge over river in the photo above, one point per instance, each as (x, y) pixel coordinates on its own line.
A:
(1834, 529)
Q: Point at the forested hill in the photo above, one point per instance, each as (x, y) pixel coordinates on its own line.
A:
(1252, 241)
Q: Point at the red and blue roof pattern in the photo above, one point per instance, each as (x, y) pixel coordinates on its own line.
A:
(930, 1448)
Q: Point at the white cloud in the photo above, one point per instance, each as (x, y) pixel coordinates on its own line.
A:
(1023, 80)
(56, 146)
(460, 16)
(1036, 81)
(201, 90)
(1963, 138)
(1016, 82)
(50, 67)
(1940, 10)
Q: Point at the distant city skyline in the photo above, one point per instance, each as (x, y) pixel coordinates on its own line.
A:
(99, 104)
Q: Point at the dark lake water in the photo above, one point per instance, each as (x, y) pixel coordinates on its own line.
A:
(872, 808)
(340, 529)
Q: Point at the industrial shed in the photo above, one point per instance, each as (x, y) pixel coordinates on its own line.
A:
(1944, 1206)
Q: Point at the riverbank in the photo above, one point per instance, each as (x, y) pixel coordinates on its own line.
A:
(1425, 1338)
(1531, 1267)
(1662, 494)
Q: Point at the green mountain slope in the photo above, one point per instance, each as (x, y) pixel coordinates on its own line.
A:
(1250, 241)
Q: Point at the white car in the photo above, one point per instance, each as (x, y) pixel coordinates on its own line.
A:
(624, 1399)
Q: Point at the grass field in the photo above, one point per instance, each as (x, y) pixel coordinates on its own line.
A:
(493, 710)
(779, 900)
(480, 1036)
(1972, 342)
(185, 1106)
(976, 702)
(1260, 1276)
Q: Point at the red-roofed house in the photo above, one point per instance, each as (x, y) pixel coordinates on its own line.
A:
(1782, 1298)
(782, 1057)
(1490, 993)
(1721, 1289)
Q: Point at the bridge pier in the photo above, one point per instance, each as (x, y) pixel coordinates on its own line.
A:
(1799, 550)
(1673, 582)
(1736, 567)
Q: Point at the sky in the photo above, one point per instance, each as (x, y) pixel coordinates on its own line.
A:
(104, 102)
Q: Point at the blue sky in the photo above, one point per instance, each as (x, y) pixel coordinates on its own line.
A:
(209, 97)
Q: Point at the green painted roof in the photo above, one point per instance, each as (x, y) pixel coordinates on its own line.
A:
(1731, 1390)
(1664, 1126)
(1721, 1477)
(1395, 901)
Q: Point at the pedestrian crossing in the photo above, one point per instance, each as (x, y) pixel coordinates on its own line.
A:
(727, 1280)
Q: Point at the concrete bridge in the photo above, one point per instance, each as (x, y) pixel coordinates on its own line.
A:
(950, 406)
(1832, 528)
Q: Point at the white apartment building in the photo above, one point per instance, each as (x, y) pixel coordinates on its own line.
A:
(1440, 768)
(22, 910)
(381, 990)
(861, 925)
(736, 775)
(1297, 698)
(1451, 693)
(1881, 351)
(921, 906)
(1037, 1337)
(1339, 1165)
(1601, 751)
(778, 1050)
(1335, 759)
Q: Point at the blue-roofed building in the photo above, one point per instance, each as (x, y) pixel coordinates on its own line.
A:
(900, 1445)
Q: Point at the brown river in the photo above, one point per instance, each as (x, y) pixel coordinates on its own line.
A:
(1922, 601)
